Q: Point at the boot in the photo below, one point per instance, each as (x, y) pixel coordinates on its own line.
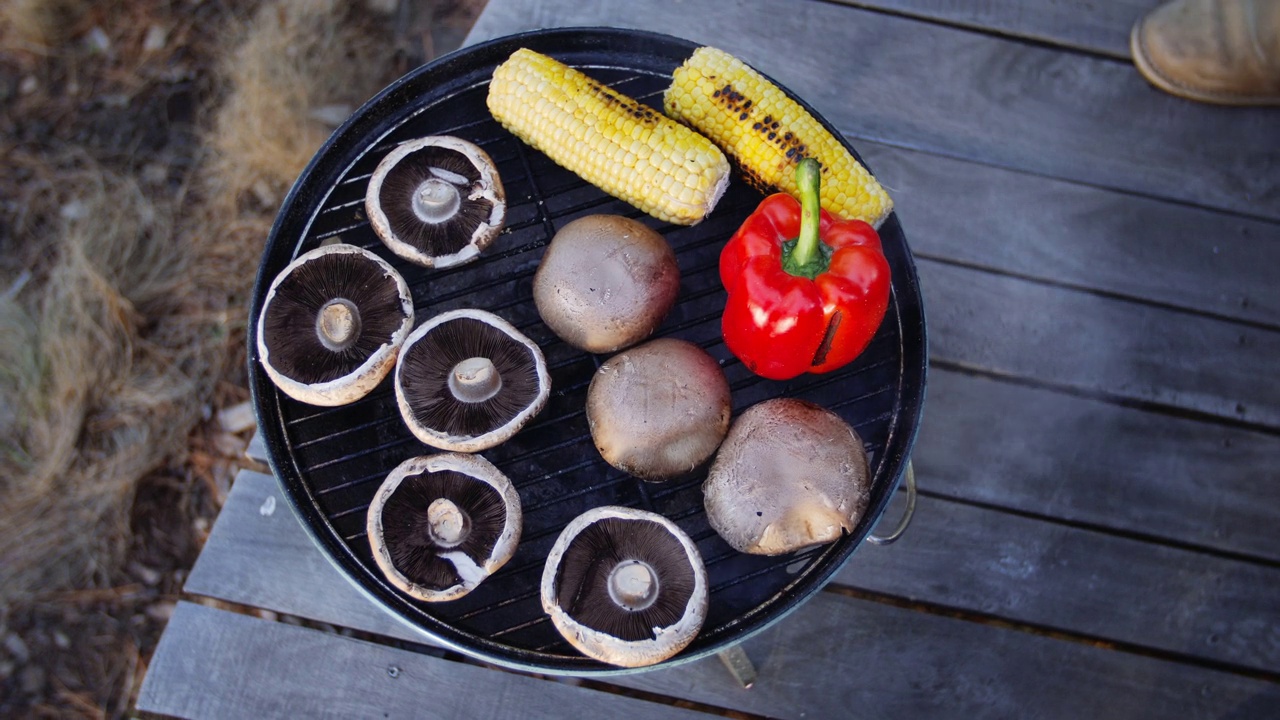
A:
(1217, 51)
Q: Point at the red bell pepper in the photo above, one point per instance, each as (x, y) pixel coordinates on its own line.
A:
(807, 290)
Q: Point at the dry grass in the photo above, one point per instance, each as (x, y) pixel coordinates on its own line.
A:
(296, 65)
(44, 22)
(130, 324)
(124, 291)
(103, 379)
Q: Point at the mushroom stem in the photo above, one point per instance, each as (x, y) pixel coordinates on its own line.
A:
(338, 324)
(475, 380)
(633, 585)
(436, 200)
(447, 522)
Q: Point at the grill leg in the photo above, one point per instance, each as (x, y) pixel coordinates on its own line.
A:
(735, 658)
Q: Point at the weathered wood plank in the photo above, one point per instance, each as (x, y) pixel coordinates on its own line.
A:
(1082, 582)
(956, 556)
(1086, 461)
(1009, 326)
(1090, 26)
(1084, 236)
(968, 95)
(259, 554)
(834, 653)
(841, 657)
(257, 449)
(216, 664)
(1149, 474)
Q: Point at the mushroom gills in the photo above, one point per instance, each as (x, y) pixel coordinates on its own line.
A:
(423, 199)
(310, 303)
(435, 524)
(602, 579)
(432, 386)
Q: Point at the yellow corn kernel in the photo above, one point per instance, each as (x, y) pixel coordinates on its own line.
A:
(767, 133)
(621, 146)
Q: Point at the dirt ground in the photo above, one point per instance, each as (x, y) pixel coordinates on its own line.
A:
(139, 121)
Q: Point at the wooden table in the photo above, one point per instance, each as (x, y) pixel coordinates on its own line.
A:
(1098, 532)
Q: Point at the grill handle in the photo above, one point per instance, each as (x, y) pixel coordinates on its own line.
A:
(906, 514)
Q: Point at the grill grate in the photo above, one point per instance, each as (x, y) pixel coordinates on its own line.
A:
(332, 460)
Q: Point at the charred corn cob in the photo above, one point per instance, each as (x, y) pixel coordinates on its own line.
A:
(767, 133)
(620, 145)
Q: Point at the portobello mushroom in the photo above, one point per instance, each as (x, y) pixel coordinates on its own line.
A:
(626, 587)
(467, 380)
(332, 324)
(436, 201)
(440, 524)
(605, 282)
(658, 410)
(789, 475)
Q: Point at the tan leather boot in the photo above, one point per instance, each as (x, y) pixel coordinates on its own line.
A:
(1217, 51)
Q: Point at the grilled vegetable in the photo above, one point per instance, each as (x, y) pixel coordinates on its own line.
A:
(807, 291)
(624, 147)
(767, 133)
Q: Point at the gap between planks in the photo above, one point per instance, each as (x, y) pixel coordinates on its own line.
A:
(1054, 560)
(1073, 25)
(804, 667)
(964, 94)
(214, 664)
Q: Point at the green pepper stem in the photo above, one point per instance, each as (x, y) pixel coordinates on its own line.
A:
(809, 179)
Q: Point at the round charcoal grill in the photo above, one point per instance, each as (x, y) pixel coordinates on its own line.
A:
(331, 460)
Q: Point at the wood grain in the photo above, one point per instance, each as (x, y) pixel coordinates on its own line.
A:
(1082, 582)
(955, 556)
(968, 95)
(1098, 27)
(833, 653)
(216, 664)
(1083, 236)
(1050, 454)
(1076, 340)
(258, 554)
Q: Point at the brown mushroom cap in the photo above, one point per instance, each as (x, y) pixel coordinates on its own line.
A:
(436, 201)
(625, 586)
(660, 409)
(440, 524)
(606, 282)
(467, 380)
(332, 324)
(789, 475)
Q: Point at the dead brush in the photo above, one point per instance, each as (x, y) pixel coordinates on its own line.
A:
(43, 23)
(299, 67)
(98, 396)
(137, 302)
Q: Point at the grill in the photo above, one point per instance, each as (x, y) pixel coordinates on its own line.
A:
(331, 460)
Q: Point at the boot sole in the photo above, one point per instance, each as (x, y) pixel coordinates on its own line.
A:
(1167, 84)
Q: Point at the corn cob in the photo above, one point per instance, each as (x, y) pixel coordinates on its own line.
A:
(767, 133)
(623, 147)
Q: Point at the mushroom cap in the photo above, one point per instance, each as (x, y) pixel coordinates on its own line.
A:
(437, 557)
(343, 290)
(436, 201)
(606, 282)
(585, 601)
(659, 410)
(442, 361)
(789, 475)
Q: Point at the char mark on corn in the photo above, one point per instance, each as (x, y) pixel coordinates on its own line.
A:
(767, 133)
(618, 144)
